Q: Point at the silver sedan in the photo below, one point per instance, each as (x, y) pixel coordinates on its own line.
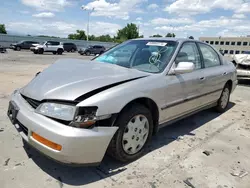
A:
(75, 110)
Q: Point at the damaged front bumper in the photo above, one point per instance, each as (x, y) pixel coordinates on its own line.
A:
(243, 71)
(78, 146)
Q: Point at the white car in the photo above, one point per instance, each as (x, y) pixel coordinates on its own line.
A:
(48, 46)
(242, 63)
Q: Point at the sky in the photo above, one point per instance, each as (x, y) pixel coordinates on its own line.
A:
(183, 17)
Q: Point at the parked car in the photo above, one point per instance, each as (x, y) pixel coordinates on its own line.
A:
(22, 45)
(48, 46)
(69, 47)
(242, 64)
(96, 49)
(2, 49)
(73, 111)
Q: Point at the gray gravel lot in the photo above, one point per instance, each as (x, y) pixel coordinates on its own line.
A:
(175, 154)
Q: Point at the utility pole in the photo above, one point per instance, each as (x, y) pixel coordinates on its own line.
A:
(89, 11)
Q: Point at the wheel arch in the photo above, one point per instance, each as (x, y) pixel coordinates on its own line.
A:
(230, 84)
(149, 104)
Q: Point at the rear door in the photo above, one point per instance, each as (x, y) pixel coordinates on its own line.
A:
(214, 73)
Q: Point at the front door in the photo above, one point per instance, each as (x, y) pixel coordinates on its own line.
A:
(184, 89)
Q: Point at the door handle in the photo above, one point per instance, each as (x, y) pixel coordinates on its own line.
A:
(225, 73)
(202, 78)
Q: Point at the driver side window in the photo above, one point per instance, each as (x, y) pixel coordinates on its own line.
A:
(189, 53)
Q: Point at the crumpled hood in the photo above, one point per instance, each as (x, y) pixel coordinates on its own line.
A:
(68, 79)
(243, 59)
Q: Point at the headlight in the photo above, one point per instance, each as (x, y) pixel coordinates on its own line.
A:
(58, 111)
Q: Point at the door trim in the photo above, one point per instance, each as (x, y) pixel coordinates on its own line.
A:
(189, 99)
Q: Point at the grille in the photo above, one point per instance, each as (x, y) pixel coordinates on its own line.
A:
(32, 102)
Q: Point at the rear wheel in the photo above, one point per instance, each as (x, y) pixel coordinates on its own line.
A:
(54, 53)
(135, 130)
(73, 50)
(60, 51)
(224, 99)
(35, 52)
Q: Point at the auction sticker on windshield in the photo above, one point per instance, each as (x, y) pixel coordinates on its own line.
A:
(156, 44)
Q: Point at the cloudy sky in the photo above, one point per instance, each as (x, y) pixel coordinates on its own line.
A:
(183, 17)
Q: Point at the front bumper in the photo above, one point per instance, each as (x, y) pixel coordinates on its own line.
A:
(242, 73)
(79, 146)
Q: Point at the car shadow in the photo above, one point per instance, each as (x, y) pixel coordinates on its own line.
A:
(84, 175)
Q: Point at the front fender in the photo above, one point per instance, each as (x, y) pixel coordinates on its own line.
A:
(114, 103)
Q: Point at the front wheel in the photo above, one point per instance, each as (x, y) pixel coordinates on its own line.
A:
(54, 53)
(135, 130)
(224, 99)
(87, 53)
(18, 48)
(40, 51)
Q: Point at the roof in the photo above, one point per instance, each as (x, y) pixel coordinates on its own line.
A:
(167, 39)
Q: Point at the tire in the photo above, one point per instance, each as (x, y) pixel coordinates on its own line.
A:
(40, 51)
(35, 52)
(59, 51)
(54, 53)
(18, 48)
(88, 53)
(223, 101)
(120, 148)
(73, 50)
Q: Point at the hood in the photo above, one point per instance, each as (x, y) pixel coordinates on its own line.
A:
(69, 79)
(36, 44)
(243, 59)
(13, 44)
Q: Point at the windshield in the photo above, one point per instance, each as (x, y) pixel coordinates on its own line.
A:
(42, 43)
(144, 55)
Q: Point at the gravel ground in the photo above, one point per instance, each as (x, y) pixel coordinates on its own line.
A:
(210, 150)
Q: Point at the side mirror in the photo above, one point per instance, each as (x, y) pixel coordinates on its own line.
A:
(184, 67)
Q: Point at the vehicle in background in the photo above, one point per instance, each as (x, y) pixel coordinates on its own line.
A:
(69, 47)
(242, 64)
(96, 49)
(22, 45)
(48, 46)
(2, 49)
(74, 111)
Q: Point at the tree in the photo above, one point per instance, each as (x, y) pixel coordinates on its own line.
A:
(2, 29)
(79, 35)
(157, 35)
(191, 37)
(170, 35)
(128, 32)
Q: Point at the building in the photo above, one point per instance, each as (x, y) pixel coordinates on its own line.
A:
(229, 45)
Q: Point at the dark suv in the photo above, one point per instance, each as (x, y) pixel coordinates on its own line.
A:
(23, 45)
(96, 49)
(69, 47)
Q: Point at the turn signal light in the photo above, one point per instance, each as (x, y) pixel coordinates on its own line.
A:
(46, 142)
